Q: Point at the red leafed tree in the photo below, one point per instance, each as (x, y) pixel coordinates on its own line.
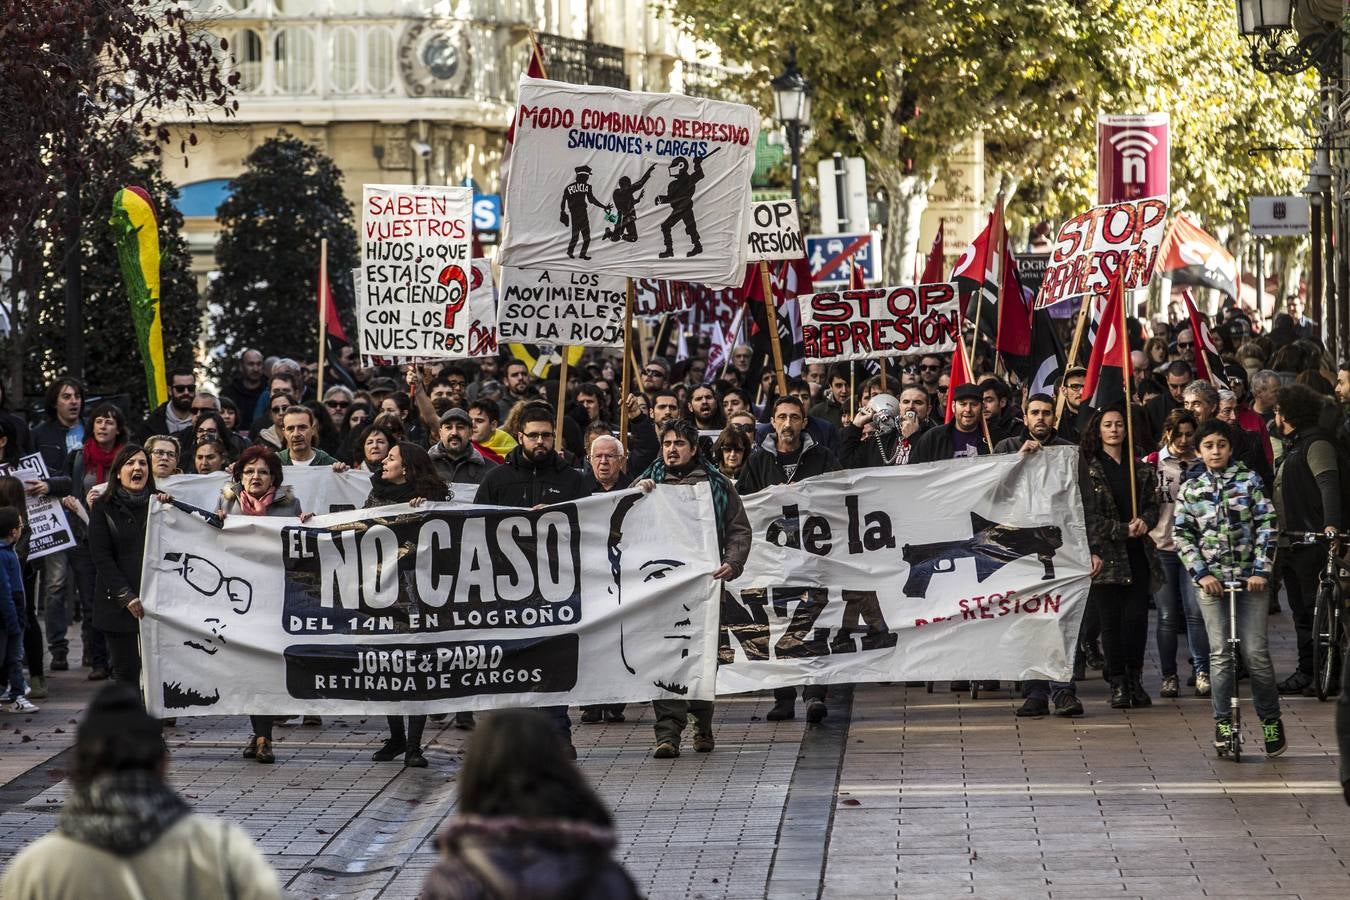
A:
(81, 81)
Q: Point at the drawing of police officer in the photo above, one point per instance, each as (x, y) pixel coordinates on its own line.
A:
(574, 199)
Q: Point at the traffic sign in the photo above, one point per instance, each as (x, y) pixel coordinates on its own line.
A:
(829, 256)
(487, 212)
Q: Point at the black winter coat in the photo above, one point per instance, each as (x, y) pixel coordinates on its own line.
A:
(762, 469)
(519, 482)
(937, 444)
(117, 545)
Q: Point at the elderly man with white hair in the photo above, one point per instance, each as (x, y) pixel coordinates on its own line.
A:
(608, 471)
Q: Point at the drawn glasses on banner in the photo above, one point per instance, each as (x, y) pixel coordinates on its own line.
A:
(205, 577)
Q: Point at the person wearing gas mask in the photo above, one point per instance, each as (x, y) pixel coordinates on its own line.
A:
(884, 431)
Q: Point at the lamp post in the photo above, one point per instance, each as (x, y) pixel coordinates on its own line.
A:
(792, 107)
(1268, 28)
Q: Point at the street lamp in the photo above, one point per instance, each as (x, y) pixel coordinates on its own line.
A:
(792, 107)
(1265, 24)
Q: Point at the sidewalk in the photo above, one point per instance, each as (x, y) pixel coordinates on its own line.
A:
(914, 794)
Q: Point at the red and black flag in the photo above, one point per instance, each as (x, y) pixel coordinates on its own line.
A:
(1208, 360)
(1108, 369)
(1047, 355)
(987, 271)
(789, 279)
(1193, 257)
(936, 265)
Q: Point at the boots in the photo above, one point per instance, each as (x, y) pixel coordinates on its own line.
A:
(1138, 696)
(1120, 693)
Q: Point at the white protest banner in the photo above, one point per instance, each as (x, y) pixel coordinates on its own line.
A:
(872, 322)
(411, 611)
(633, 184)
(318, 489)
(416, 271)
(46, 519)
(775, 232)
(482, 310)
(959, 569)
(557, 308)
(1093, 246)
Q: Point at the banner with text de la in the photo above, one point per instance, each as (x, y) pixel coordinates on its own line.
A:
(628, 183)
(775, 232)
(958, 569)
(409, 611)
(1108, 239)
(416, 271)
(874, 322)
(561, 308)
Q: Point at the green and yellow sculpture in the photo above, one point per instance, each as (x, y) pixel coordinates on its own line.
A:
(136, 233)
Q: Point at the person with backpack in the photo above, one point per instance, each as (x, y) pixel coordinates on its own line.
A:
(1309, 495)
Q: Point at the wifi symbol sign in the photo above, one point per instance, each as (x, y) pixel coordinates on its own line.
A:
(1133, 145)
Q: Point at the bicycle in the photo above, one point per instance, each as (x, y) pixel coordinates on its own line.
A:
(1328, 635)
(1233, 747)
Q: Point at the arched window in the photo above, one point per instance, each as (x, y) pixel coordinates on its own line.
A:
(380, 60)
(295, 62)
(345, 60)
(247, 49)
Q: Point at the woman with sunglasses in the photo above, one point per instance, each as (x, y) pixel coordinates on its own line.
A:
(732, 448)
(257, 491)
(271, 436)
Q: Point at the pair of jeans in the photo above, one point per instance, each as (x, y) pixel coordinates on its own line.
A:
(1252, 611)
(1299, 570)
(11, 661)
(1124, 618)
(1174, 599)
(59, 585)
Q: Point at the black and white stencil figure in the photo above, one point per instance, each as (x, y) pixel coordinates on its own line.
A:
(205, 577)
(573, 210)
(626, 198)
(680, 197)
(209, 644)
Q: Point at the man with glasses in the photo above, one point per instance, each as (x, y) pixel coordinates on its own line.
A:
(654, 375)
(535, 475)
(1186, 346)
(1071, 387)
(930, 372)
(338, 399)
(175, 414)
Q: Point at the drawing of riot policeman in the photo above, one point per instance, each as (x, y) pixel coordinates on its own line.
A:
(626, 197)
(574, 199)
(680, 195)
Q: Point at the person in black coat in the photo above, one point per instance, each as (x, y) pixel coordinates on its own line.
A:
(532, 475)
(117, 544)
(962, 436)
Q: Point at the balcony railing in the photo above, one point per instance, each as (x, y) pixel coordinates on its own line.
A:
(583, 62)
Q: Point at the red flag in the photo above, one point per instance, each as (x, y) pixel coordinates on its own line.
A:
(933, 269)
(1108, 368)
(329, 311)
(1195, 258)
(1014, 311)
(1208, 360)
(960, 373)
(855, 276)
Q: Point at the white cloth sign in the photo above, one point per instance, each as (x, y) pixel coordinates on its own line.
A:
(318, 488)
(633, 184)
(561, 308)
(412, 611)
(876, 322)
(416, 272)
(482, 310)
(959, 569)
(775, 232)
(49, 528)
(1093, 246)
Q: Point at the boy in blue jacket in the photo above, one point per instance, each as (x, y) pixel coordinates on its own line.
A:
(11, 617)
(1225, 533)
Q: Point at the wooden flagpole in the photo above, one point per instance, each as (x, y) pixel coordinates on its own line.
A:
(624, 382)
(1073, 354)
(323, 313)
(1127, 371)
(562, 401)
(970, 373)
(771, 317)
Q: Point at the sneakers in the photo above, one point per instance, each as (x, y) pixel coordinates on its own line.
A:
(391, 749)
(781, 712)
(666, 750)
(1272, 730)
(1294, 684)
(1202, 687)
(21, 705)
(1033, 708)
(1223, 733)
(1067, 704)
(703, 742)
(816, 711)
(1170, 686)
(37, 689)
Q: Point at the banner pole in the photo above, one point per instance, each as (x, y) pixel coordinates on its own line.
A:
(984, 424)
(771, 317)
(624, 382)
(323, 313)
(1072, 360)
(853, 390)
(1127, 371)
(562, 399)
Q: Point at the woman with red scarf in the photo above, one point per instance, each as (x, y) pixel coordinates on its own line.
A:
(257, 491)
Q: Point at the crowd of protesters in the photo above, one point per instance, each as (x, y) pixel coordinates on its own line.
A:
(1219, 468)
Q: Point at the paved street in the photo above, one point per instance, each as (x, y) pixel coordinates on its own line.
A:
(901, 792)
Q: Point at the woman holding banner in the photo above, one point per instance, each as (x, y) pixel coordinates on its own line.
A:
(257, 491)
(1121, 506)
(117, 544)
(408, 476)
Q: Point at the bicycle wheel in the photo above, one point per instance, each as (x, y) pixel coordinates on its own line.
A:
(1325, 642)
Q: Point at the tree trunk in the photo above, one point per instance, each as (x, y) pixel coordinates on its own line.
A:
(908, 198)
